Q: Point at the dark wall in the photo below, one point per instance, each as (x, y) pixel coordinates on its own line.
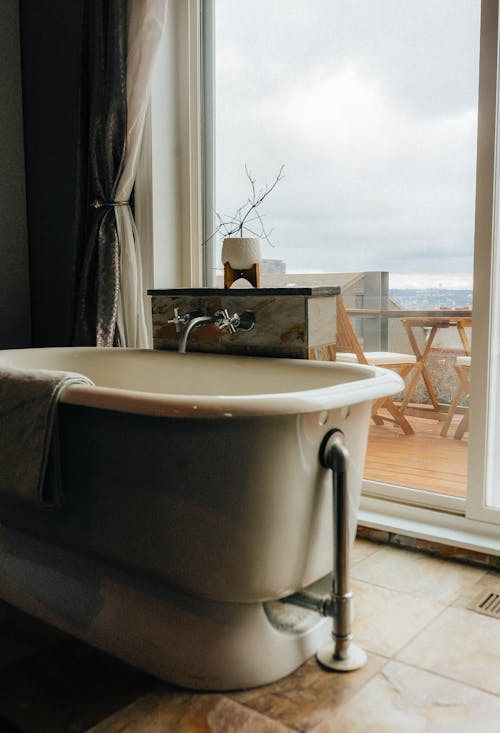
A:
(52, 69)
(14, 282)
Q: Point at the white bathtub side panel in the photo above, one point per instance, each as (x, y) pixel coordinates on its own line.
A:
(234, 510)
(185, 640)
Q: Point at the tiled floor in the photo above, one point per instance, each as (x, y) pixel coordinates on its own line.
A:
(433, 665)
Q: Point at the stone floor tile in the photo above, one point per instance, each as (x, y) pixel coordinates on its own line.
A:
(416, 573)
(459, 644)
(362, 549)
(386, 620)
(177, 712)
(401, 698)
(309, 695)
(490, 580)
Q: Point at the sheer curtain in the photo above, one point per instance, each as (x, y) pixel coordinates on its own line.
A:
(145, 25)
(124, 37)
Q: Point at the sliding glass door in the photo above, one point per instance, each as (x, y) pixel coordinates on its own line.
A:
(483, 500)
(372, 109)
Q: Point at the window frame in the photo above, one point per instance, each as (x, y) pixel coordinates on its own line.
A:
(169, 188)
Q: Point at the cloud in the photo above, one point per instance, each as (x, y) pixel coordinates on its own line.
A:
(379, 175)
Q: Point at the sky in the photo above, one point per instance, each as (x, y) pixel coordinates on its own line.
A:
(371, 106)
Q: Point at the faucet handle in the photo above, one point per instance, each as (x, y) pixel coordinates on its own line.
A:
(243, 322)
(179, 320)
(224, 320)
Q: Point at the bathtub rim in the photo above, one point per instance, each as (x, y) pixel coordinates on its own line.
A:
(374, 382)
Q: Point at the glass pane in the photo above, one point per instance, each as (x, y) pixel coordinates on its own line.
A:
(372, 109)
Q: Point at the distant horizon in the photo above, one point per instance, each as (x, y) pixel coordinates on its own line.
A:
(398, 281)
(415, 281)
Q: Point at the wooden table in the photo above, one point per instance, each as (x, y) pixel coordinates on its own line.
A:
(434, 324)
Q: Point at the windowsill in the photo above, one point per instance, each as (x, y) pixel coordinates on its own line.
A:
(429, 525)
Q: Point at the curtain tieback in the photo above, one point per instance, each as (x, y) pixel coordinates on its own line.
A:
(98, 204)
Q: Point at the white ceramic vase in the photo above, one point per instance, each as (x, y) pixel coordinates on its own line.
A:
(241, 252)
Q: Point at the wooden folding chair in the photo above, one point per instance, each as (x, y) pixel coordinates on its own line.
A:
(347, 348)
(462, 368)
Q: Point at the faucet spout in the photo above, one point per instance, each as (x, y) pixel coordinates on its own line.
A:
(221, 318)
(193, 323)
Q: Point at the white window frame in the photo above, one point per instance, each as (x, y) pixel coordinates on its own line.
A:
(173, 208)
(169, 183)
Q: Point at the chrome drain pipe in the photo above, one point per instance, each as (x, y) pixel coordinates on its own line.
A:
(311, 601)
(341, 654)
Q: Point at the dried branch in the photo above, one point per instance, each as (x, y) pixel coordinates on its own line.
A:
(247, 213)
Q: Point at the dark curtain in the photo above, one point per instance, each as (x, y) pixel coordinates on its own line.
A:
(106, 29)
(55, 146)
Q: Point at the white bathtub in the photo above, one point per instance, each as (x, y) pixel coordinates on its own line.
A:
(194, 499)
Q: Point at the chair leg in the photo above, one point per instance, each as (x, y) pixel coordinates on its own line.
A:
(399, 417)
(451, 411)
(417, 370)
(463, 387)
(463, 427)
(395, 412)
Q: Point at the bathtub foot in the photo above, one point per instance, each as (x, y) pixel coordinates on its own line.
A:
(341, 655)
(354, 659)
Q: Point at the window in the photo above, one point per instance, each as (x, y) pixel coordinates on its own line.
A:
(372, 108)
(385, 183)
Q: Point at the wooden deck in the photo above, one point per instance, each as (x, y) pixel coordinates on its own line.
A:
(424, 460)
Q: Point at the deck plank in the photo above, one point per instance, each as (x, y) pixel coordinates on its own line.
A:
(423, 461)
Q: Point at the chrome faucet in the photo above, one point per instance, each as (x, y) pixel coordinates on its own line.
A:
(179, 320)
(221, 318)
(193, 322)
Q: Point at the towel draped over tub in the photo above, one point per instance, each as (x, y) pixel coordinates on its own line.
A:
(29, 456)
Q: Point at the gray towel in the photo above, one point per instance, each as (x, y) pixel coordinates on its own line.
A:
(28, 402)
